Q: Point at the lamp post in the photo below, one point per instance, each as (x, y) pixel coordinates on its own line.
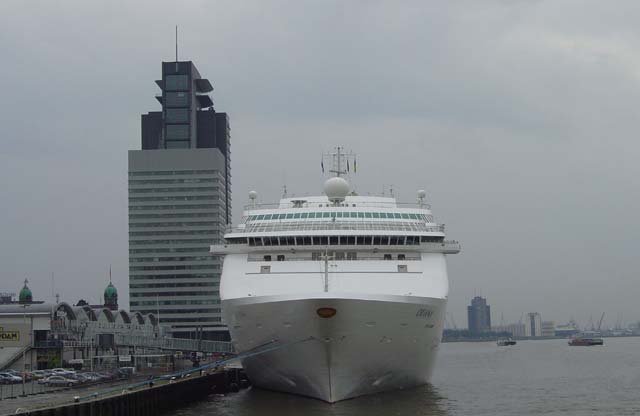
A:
(24, 352)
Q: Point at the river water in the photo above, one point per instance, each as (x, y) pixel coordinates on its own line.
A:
(532, 378)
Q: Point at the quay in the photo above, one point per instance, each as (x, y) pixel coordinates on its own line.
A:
(144, 398)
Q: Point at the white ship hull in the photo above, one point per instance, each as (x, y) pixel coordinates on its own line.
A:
(373, 343)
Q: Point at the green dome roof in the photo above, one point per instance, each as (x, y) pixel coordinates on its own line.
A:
(110, 291)
(25, 295)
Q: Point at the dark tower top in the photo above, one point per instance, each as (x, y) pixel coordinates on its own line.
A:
(479, 316)
(188, 119)
(111, 297)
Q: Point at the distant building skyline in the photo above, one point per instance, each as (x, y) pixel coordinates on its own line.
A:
(479, 315)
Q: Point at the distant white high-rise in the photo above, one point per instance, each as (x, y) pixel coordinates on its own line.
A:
(533, 325)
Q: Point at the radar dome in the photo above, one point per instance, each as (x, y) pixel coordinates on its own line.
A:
(336, 189)
(422, 194)
(253, 195)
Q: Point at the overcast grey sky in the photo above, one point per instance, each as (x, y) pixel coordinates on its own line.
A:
(520, 119)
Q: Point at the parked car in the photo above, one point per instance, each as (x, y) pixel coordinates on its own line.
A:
(62, 372)
(38, 374)
(93, 376)
(10, 378)
(60, 381)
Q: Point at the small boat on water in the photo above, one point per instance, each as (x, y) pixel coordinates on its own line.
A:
(585, 342)
(505, 342)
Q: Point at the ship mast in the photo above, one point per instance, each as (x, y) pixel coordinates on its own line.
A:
(340, 161)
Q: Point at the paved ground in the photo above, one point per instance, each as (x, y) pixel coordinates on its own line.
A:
(50, 396)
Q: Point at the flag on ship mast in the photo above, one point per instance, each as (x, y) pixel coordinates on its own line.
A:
(322, 165)
(347, 165)
(354, 164)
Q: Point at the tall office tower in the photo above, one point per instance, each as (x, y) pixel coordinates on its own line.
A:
(180, 204)
(533, 325)
(479, 315)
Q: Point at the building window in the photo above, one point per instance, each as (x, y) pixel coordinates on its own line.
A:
(176, 83)
(177, 131)
(178, 144)
(176, 115)
(177, 99)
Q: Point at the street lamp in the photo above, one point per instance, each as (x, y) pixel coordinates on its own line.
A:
(24, 352)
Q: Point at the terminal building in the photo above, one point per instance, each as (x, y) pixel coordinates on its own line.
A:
(39, 335)
(179, 205)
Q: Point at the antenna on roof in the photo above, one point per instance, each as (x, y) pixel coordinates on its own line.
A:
(176, 48)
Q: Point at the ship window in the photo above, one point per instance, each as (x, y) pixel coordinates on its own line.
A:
(306, 241)
(343, 240)
(353, 214)
(387, 257)
(414, 217)
(367, 215)
(251, 241)
(368, 239)
(376, 240)
(352, 255)
(258, 241)
(375, 214)
(405, 216)
(316, 255)
(265, 269)
(296, 215)
(289, 216)
(260, 217)
(402, 268)
(267, 241)
(316, 241)
(402, 257)
(280, 257)
(283, 241)
(326, 214)
(333, 240)
(339, 255)
(267, 257)
(360, 214)
(384, 240)
(312, 215)
(393, 241)
(324, 241)
(383, 215)
(304, 215)
(351, 240)
(267, 217)
(396, 215)
(339, 214)
(360, 240)
(291, 241)
(274, 241)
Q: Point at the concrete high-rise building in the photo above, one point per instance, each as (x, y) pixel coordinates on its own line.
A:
(180, 204)
(547, 329)
(479, 315)
(533, 325)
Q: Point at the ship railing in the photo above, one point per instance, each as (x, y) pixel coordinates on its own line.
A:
(333, 258)
(337, 225)
(303, 203)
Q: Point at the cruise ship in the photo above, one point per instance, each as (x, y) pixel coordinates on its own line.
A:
(336, 296)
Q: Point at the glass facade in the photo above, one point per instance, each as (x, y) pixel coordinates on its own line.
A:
(176, 83)
(170, 268)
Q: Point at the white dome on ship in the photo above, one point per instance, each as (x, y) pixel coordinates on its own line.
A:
(336, 189)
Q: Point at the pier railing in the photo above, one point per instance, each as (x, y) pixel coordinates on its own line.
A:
(175, 344)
